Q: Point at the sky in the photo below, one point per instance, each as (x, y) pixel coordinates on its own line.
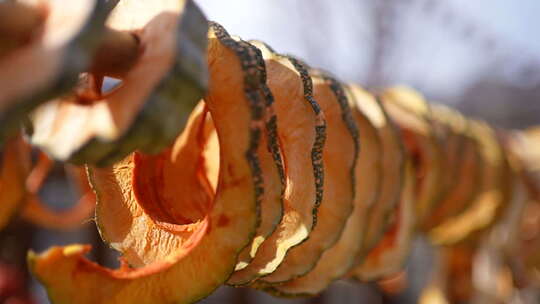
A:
(438, 47)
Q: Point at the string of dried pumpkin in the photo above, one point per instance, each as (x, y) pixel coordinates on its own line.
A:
(181, 218)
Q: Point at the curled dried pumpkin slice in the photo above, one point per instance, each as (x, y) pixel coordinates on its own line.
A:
(14, 169)
(301, 134)
(147, 110)
(188, 241)
(391, 252)
(339, 157)
(271, 163)
(493, 195)
(59, 39)
(345, 254)
(411, 114)
(393, 159)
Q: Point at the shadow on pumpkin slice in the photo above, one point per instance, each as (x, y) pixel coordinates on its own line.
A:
(339, 158)
(301, 134)
(411, 113)
(160, 210)
(160, 84)
(46, 44)
(346, 253)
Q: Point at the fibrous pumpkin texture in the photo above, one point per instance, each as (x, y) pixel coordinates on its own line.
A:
(148, 109)
(181, 240)
(60, 41)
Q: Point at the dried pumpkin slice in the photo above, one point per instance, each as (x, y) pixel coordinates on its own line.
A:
(14, 169)
(61, 44)
(272, 169)
(410, 112)
(150, 106)
(388, 257)
(493, 195)
(367, 105)
(393, 159)
(336, 261)
(339, 158)
(302, 134)
(144, 223)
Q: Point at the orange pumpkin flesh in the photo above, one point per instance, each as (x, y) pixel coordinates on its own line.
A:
(201, 252)
(151, 105)
(301, 129)
(60, 49)
(14, 168)
(336, 261)
(339, 159)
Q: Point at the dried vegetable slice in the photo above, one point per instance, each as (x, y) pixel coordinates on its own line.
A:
(142, 216)
(390, 254)
(393, 161)
(339, 158)
(340, 258)
(59, 39)
(271, 163)
(156, 94)
(490, 201)
(411, 114)
(302, 135)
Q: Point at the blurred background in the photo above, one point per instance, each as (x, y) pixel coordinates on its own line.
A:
(482, 57)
